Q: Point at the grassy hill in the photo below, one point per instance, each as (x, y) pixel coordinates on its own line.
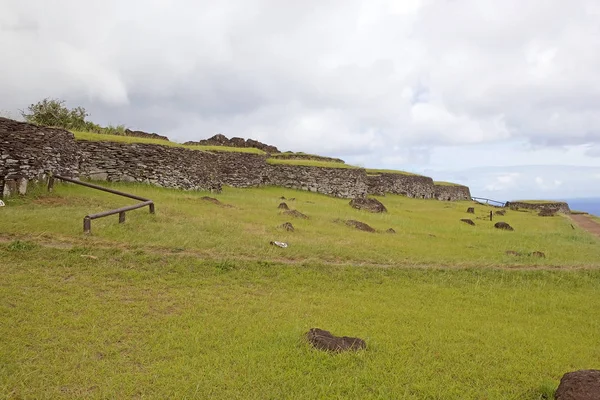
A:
(193, 302)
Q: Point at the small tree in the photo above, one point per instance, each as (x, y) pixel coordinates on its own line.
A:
(54, 113)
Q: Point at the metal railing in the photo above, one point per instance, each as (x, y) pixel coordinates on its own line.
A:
(488, 201)
(87, 220)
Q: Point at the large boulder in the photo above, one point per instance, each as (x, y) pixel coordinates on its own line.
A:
(504, 226)
(579, 385)
(324, 340)
(371, 205)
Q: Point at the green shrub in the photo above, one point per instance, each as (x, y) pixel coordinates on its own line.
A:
(54, 113)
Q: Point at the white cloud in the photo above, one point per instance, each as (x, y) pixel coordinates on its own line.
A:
(390, 82)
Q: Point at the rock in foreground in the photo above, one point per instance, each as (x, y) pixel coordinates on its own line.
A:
(359, 225)
(324, 340)
(579, 385)
(503, 225)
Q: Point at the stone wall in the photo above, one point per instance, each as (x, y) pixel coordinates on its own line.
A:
(28, 153)
(338, 182)
(407, 185)
(165, 166)
(558, 206)
(452, 192)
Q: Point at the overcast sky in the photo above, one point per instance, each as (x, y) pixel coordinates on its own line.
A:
(503, 96)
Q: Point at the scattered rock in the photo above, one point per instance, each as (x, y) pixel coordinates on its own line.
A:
(538, 254)
(512, 253)
(89, 256)
(287, 226)
(468, 221)
(212, 200)
(279, 244)
(283, 206)
(579, 385)
(431, 235)
(503, 225)
(215, 201)
(295, 214)
(371, 205)
(282, 198)
(500, 212)
(359, 225)
(547, 212)
(324, 340)
(391, 230)
(292, 199)
(471, 210)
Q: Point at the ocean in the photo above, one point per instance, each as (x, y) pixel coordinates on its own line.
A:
(589, 205)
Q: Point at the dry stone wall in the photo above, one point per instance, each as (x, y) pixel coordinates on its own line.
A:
(407, 185)
(557, 206)
(149, 163)
(28, 153)
(452, 192)
(338, 182)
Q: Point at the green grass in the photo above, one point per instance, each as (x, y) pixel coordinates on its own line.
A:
(193, 302)
(442, 183)
(311, 163)
(371, 171)
(131, 324)
(97, 137)
(429, 232)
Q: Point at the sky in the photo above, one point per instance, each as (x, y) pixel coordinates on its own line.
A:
(502, 96)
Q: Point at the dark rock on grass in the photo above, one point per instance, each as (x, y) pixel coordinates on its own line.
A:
(391, 230)
(471, 210)
(295, 214)
(512, 253)
(283, 206)
(579, 385)
(371, 205)
(292, 199)
(324, 340)
(547, 212)
(359, 225)
(282, 198)
(500, 212)
(212, 200)
(538, 254)
(503, 225)
(287, 226)
(468, 221)
(216, 202)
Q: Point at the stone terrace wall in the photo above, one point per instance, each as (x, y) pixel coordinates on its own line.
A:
(452, 192)
(241, 169)
(28, 153)
(557, 205)
(338, 182)
(406, 185)
(150, 163)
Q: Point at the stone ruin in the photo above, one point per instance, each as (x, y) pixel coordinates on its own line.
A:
(29, 153)
(222, 140)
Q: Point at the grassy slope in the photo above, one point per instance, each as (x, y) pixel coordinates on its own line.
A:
(372, 171)
(429, 231)
(131, 324)
(145, 319)
(442, 183)
(132, 139)
(311, 163)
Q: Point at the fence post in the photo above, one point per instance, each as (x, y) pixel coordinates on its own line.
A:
(51, 184)
(490, 215)
(122, 217)
(87, 225)
(151, 207)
